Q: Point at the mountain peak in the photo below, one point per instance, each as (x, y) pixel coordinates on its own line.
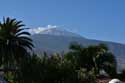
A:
(52, 30)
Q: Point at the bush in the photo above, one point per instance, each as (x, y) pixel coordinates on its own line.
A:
(53, 69)
(86, 77)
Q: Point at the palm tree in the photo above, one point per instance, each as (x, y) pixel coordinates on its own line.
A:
(14, 41)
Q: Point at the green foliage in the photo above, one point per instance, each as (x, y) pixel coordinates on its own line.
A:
(77, 66)
(108, 64)
(81, 64)
(14, 41)
(95, 56)
(53, 69)
(85, 76)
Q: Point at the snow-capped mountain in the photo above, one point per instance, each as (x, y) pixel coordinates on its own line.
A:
(53, 30)
(52, 39)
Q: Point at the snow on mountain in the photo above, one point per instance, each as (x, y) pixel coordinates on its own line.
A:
(53, 39)
(52, 30)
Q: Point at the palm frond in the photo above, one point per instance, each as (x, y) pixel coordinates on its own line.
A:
(25, 38)
(23, 33)
(20, 30)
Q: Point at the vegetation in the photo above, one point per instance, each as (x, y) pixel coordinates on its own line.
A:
(54, 69)
(14, 43)
(80, 64)
(97, 57)
(71, 67)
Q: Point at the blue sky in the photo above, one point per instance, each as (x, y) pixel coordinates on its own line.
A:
(96, 19)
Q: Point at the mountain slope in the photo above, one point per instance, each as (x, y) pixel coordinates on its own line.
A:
(52, 42)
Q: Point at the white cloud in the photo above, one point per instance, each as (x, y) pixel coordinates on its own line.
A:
(41, 29)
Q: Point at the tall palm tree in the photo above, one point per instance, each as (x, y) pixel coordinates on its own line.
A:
(14, 41)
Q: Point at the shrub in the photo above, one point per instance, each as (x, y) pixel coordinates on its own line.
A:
(86, 77)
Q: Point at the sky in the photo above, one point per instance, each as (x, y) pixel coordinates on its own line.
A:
(93, 19)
